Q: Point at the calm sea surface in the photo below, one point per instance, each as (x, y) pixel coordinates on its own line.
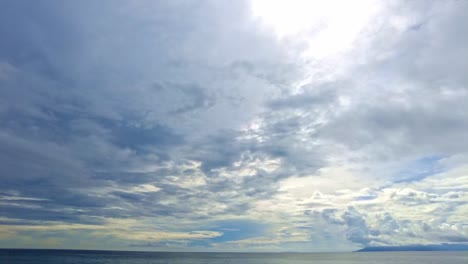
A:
(119, 257)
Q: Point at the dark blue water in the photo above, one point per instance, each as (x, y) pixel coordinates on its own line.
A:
(122, 257)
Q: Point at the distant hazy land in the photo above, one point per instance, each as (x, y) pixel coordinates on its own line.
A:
(440, 247)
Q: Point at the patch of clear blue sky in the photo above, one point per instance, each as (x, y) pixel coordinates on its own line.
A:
(420, 169)
(238, 229)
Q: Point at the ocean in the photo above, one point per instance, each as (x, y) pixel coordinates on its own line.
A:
(17, 256)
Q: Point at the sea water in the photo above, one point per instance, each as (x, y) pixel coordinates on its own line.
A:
(9, 256)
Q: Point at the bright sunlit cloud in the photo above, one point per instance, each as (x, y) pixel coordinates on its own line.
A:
(328, 27)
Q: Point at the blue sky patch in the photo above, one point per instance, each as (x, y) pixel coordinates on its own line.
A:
(238, 229)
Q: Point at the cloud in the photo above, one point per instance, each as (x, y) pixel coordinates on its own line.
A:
(186, 125)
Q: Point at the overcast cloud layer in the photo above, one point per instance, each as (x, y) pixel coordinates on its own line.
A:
(232, 125)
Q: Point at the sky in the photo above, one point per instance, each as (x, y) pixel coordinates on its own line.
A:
(233, 125)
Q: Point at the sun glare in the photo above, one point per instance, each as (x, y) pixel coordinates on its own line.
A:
(328, 27)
